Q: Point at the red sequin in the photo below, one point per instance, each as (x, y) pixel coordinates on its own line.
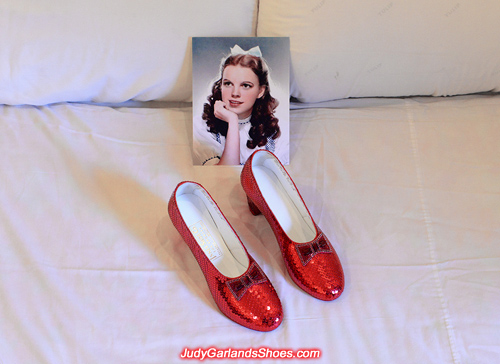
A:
(314, 266)
(255, 304)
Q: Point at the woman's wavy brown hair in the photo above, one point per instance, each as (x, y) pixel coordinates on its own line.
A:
(264, 123)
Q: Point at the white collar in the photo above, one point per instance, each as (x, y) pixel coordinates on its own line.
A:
(244, 121)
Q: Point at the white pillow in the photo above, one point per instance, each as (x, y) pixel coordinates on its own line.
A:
(108, 50)
(359, 48)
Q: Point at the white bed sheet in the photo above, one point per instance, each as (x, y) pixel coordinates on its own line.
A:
(92, 270)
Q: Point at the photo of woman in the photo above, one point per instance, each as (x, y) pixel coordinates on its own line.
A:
(239, 115)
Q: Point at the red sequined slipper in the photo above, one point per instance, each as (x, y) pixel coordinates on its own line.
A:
(238, 285)
(310, 259)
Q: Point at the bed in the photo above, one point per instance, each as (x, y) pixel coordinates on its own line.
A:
(393, 146)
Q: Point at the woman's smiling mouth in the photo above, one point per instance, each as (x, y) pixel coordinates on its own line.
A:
(235, 103)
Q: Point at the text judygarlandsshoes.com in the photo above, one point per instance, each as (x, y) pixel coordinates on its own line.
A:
(250, 353)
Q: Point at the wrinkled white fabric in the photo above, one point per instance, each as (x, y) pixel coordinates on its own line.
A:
(108, 51)
(93, 271)
(342, 49)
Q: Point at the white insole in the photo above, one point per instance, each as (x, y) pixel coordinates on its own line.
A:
(206, 227)
(298, 226)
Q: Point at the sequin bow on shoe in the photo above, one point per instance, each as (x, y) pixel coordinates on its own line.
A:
(309, 257)
(238, 285)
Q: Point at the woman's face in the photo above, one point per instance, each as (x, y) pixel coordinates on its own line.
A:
(240, 88)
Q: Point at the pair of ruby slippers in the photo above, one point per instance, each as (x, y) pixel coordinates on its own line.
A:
(238, 285)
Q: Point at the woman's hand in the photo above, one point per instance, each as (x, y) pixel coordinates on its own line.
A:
(224, 114)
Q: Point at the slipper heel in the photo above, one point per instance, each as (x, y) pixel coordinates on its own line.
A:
(253, 208)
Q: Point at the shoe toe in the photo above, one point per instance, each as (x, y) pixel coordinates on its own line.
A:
(322, 277)
(328, 292)
(259, 309)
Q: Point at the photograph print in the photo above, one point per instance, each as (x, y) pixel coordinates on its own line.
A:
(240, 98)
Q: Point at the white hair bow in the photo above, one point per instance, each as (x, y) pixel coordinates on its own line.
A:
(255, 51)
